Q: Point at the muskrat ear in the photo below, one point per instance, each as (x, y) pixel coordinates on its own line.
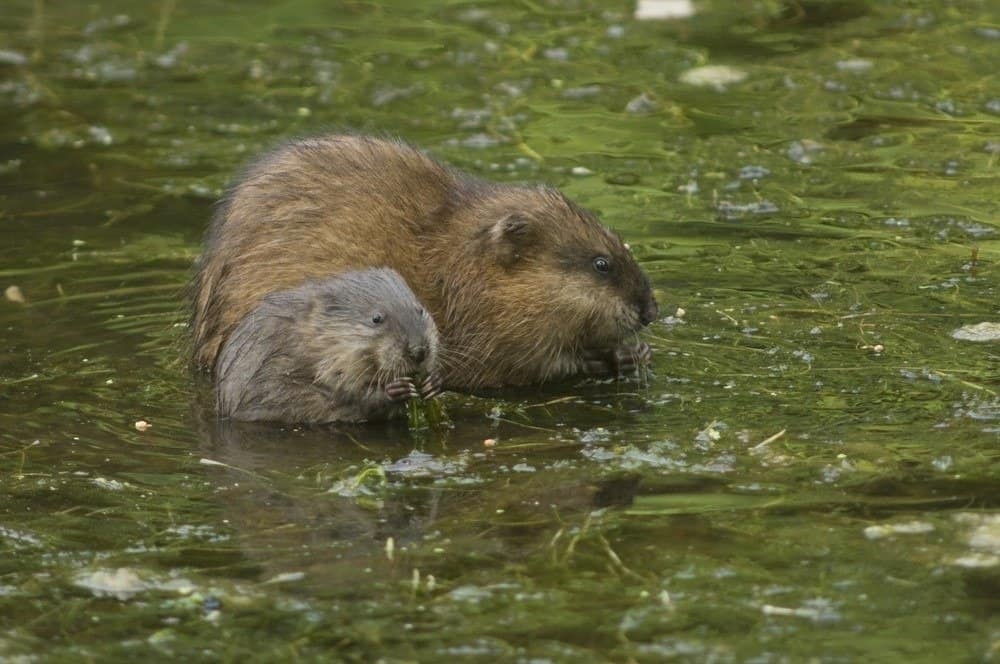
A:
(509, 236)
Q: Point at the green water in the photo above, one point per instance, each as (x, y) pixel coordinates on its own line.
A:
(809, 473)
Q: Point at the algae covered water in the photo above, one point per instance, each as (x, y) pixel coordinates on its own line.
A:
(808, 472)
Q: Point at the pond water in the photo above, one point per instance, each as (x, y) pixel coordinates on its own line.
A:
(808, 472)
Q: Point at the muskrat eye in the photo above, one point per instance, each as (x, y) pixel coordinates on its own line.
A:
(377, 318)
(602, 264)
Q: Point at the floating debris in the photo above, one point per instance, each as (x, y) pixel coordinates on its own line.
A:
(882, 531)
(14, 294)
(285, 577)
(978, 332)
(804, 152)
(718, 77)
(644, 103)
(983, 538)
(817, 610)
(582, 92)
(661, 10)
(143, 425)
(730, 211)
(12, 58)
(122, 583)
(100, 135)
(855, 65)
(110, 485)
(476, 141)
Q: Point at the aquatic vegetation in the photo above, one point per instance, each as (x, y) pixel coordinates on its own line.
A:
(807, 471)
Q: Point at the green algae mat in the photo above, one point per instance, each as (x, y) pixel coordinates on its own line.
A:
(810, 470)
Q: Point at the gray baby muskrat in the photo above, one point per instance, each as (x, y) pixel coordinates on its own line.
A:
(341, 349)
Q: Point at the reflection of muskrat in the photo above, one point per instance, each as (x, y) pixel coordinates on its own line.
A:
(343, 349)
(523, 284)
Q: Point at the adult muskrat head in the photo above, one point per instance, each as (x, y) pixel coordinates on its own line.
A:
(368, 329)
(562, 269)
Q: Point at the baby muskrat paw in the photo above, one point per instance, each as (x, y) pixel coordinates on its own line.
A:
(401, 390)
(431, 386)
(619, 361)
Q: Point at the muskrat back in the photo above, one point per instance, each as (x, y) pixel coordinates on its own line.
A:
(523, 284)
(342, 349)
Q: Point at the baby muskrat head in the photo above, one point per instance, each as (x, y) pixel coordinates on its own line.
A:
(367, 328)
(564, 280)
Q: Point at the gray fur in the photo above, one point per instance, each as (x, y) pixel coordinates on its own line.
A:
(312, 354)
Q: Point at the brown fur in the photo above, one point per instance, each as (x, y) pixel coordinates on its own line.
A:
(506, 271)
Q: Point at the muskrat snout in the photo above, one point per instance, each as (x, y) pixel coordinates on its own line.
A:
(418, 353)
(648, 310)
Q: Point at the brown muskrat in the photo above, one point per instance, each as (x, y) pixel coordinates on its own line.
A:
(343, 349)
(523, 284)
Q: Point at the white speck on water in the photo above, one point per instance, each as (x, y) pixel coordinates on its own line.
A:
(169, 59)
(976, 561)
(644, 103)
(942, 463)
(122, 583)
(582, 92)
(597, 435)
(12, 58)
(985, 331)
(855, 65)
(100, 135)
(804, 152)
(661, 10)
(690, 188)
(717, 77)
(473, 594)
(804, 355)
(286, 577)
(110, 485)
(882, 531)
(753, 172)
(817, 610)
(985, 533)
(18, 538)
(14, 294)
(581, 171)
(476, 141)
(104, 24)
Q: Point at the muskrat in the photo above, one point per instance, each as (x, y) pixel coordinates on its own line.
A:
(342, 349)
(523, 284)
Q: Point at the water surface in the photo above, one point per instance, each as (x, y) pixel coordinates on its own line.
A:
(808, 471)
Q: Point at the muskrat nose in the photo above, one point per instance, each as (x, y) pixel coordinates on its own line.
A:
(648, 310)
(418, 353)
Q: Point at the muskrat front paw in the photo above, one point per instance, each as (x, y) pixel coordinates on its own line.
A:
(628, 359)
(619, 361)
(401, 390)
(431, 387)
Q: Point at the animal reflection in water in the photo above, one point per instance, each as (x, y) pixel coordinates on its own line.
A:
(307, 511)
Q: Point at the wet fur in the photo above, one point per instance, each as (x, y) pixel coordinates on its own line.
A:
(504, 270)
(312, 355)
